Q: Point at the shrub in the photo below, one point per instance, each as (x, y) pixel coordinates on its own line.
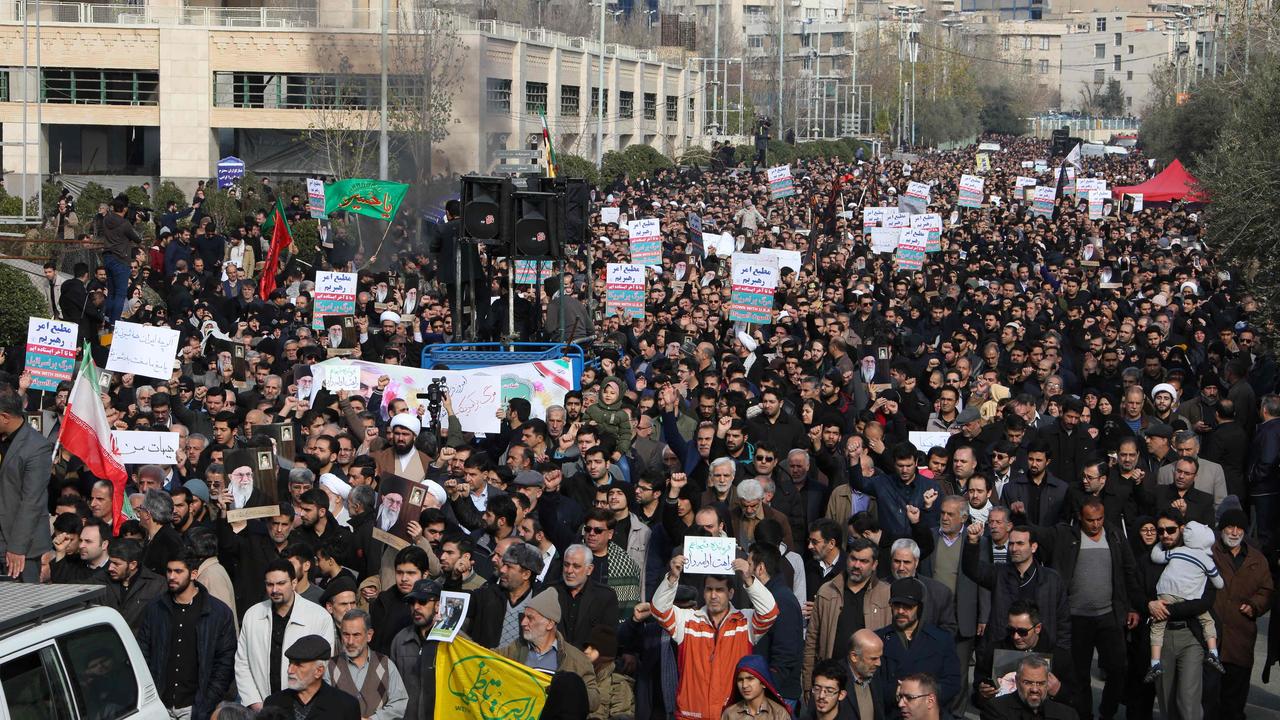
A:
(634, 162)
(90, 198)
(19, 300)
(576, 166)
(169, 191)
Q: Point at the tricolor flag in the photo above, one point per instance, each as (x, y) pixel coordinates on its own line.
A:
(86, 435)
(281, 238)
(550, 151)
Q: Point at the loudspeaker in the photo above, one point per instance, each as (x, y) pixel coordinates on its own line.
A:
(486, 202)
(538, 222)
(577, 206)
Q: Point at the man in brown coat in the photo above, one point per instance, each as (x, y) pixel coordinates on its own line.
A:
(1244, 598)
(831, 625)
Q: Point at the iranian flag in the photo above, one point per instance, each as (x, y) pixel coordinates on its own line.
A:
(281, 239)
(86, 435)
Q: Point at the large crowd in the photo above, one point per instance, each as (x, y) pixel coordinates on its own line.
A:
(1101, 485)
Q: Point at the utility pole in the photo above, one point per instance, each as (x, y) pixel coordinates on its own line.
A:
(782, 44)
(715, 65)
(383, 151)
(913, 47)
(600, 97)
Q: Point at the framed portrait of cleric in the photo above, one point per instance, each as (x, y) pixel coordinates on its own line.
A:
(400, 503)
(340, 335)
(282, 433)
(252, 483)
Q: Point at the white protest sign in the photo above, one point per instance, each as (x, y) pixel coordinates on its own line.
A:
(786, 258)
(709, 555)
(1137, 202)
(143, 350)
(924, 441)
(338, 378)
(145, 447)
(884, 239)
(609, 215)
(1022, 181)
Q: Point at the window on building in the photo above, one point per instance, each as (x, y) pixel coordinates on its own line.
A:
(535, 98)
(673, 108)
(79, 86)
(498, 94)
(569, 100)
(1128, 75)
(1130, 49)
(1005, 42)
(1119, 39)
(626, 104)
(1115, 63)
(1044, 42)
(811, 13)
(1099, 76)
(1101, 24)
(650, 106)
(1128, 101)
(1044, 67)
(755, 41)
(1099, 51)
(837, 40)
(806, 40)
(595, 103)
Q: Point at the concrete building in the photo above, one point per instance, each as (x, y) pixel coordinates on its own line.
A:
(166, 89)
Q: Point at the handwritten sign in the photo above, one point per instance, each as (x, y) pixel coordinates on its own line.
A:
(335, 294)
(646, 241)
(529, 272)
(338, 378)
(791, 259)
(1042, 200)
(781, 184)
(911, 248)
(145, 447)
(609, 215)
(709, 555)
(932, 224)
(925, 441)
(315, 198)
(971, 191)
(144, 350)
(1084, 186)
(1022, 181)
(884, 240)
(51, 352)
(624, 290)
(755, 277)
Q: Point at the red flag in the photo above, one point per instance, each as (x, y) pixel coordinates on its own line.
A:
(281, 238)
(86, 435)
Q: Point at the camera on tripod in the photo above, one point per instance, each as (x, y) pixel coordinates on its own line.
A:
(437, 389)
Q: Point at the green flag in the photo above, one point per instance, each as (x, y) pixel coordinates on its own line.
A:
(376, 198)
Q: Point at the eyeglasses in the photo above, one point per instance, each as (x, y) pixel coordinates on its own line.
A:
(911, 698)
(592, 530)
(766, 458)
(1163, 530)
(825, 691)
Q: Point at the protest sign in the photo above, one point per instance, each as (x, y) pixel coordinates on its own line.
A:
(252, 481)
(144, 447)
(335, 294)
(755, 277)
(725, 244)
(1021, 182)
(624, 290)
(144, 350)
(932, 224)
(453, 610)
(884, 240)
(400, 502)
(786, 258)
(982, 162)
(339, 378)
(646, 241)
(51, 352)
(911, 248)
(875, 216)
(1136, 199)
(709, 555)
(781, 184)
(315, 198)
(971, 191)
(924, 441)
(609, 215)
(1097, 201)
(1042, 201)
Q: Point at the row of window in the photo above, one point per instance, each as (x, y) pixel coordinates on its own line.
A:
(498, 99)
(311, 91)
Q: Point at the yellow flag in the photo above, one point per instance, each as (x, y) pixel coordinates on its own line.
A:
(473, 683)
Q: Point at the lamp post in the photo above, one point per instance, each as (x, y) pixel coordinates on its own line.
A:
(600, 96)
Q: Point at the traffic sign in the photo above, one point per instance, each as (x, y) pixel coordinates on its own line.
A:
(513, 168)
(516, 154)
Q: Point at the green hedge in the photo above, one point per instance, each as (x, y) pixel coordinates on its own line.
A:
(19, 300)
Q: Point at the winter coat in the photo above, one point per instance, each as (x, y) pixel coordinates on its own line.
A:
(820, 641)
(1041, 584)
(932, 650)
(614, 420)
(253, 651)
(775, 707)
(1249, 582)
(215, 647)
(617, 694)
(570, 659)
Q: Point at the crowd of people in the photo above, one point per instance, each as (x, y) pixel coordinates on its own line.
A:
(951, 491)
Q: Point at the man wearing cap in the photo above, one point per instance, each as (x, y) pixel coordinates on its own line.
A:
(339, 597)
(495, 608)
(912, 646)
(1164, 398)
(1245, 596)
(371, 344)
(308, 696)
(401, 457)
(542, 647)
(365, 674)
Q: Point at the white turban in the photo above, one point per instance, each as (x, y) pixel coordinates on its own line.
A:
(389, 315)
(407, 421)
(335, 485)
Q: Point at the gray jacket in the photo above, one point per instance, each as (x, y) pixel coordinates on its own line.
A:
(119, 237)
(24, 494)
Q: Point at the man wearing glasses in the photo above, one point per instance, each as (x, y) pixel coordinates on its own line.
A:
(917, 698)
(1026, 636)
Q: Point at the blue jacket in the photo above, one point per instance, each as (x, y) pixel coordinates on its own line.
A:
(892, 497)
(783, 646)
(932, 651)
(215, 647)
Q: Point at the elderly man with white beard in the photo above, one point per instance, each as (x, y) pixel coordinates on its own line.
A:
(308, 695)
(389, 510)
(542, 647)
(365, 674)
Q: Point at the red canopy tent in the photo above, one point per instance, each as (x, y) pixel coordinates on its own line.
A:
(1173, 183)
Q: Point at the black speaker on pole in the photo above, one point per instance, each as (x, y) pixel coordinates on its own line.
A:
(486, 205)
(577, 206)
(537, 224)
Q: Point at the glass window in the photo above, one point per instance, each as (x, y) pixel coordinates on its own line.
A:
(34, 688)
(102, 677)
(498, 94)
(1044, 67)
(595, 102)
(1119, 39)
(1101, 24)
(650, 106)
(1099, 76)
(569, 100)
(755, 41)
(1044, 42)
(673, 108)
(535, 98)
(1099, 51)
(1116, 63)
(626, 104)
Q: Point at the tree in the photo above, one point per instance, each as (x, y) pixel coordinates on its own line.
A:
(340, 131)
(1108, 102)
(428, 57)
(1187, 131)
(1000, 112)
(1238, 172)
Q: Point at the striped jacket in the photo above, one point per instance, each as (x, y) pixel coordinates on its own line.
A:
(707, 655)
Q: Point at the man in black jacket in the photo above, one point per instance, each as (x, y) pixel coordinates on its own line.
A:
(1069, 444)
(1181, 496)
(188, 638)
(1025, 636)
(1021, 578)
(1098, 571)
(1031, 701)
(494, 619)
(133, 586)
(584, 603)
(313, 698)
(1226, 445)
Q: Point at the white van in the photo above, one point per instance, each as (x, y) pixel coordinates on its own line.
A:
(62, 657)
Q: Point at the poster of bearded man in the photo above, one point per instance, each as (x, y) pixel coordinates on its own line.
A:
(252, 483)
(401, 502)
